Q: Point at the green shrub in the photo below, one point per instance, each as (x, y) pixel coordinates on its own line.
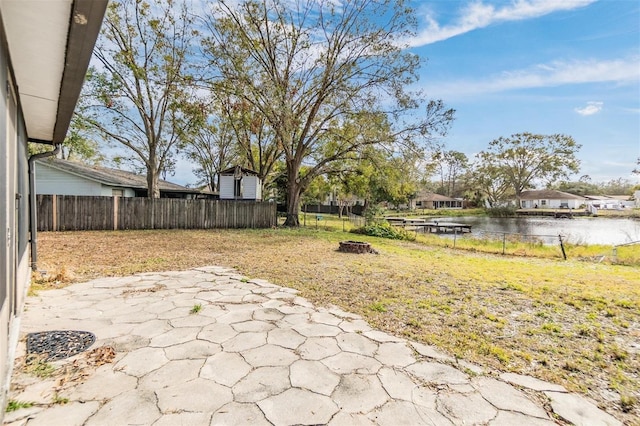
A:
(384, 230)
(501, 211)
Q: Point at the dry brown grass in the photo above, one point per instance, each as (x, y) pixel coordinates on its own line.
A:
(573, 323)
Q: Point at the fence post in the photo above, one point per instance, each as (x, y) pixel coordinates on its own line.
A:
(455, 236)
(562, 247)
(116, 201)
(504, 242)
(54, 212)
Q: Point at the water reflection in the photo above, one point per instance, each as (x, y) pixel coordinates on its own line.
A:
(578, 231)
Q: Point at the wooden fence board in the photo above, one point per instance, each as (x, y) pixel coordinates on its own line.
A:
(75, 213)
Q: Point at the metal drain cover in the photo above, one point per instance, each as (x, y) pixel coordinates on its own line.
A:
(59, 344)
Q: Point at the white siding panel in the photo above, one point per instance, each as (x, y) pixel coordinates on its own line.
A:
(107, 191)
(53, 181)
(226, 187)
(249, 187)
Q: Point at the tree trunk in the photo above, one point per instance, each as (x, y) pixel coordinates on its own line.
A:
(294, 191)
(293, 203)
(153, 189)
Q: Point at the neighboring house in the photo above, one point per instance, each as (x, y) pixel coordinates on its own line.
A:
(606, 202)
(626, 201)
(45, 48)
(429, 200)
(238, 183)
(550, 199)
(63, 177)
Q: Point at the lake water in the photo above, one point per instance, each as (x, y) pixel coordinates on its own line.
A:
(588, 230)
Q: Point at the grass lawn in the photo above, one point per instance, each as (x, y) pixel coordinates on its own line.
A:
(570, 322)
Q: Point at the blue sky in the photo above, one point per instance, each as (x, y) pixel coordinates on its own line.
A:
(539, 66)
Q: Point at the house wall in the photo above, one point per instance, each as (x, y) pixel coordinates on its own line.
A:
(51, 181)
(14, 228)
(226, 187)
(252, 188)
(110, 191)
(550, 204)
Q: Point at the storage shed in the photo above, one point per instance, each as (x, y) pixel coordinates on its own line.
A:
(238, 183)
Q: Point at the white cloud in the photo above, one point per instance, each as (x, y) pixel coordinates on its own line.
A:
(479, 15)
(559, 73)
(591, 108)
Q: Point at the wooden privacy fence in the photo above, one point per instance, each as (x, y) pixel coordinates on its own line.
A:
(84, 213)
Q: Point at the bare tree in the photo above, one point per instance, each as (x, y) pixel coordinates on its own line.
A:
(254, 138)
(314, 68)
(211, 149)
(136, 95)
(451, 165)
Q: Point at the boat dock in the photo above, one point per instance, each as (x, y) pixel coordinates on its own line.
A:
(433, 227)
(558, 214)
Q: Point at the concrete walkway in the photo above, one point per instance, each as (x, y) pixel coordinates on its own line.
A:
(256, 354)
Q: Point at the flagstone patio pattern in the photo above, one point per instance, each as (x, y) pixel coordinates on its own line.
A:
(258, 354)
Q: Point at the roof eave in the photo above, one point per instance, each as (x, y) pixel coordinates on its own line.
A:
(86, 20)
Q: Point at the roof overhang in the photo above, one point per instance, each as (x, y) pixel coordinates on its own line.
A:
(50, 44)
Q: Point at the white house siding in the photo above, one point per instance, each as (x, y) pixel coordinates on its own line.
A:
(53, 181)
(252, 188)
(108, 191)
(226, 187)
(14, 229)
(551, 204)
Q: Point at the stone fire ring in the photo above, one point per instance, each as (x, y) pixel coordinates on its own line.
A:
(358, 247)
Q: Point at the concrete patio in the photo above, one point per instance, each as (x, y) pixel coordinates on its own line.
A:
(209, 346)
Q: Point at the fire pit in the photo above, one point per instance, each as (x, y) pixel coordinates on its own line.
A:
(356, 247)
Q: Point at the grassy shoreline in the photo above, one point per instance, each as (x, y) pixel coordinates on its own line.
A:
(511, 246)
(569, 322)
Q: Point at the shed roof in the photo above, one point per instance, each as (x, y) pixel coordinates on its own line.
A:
(232, 171)
(548, 194)
(112, 177)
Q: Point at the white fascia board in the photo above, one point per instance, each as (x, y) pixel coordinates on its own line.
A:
(37, 32)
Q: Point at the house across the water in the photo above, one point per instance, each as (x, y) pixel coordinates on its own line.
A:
(430, 200)
(550, 199)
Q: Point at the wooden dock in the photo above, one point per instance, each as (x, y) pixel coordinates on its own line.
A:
(445, 228)
(434, 227)
(558, 214)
